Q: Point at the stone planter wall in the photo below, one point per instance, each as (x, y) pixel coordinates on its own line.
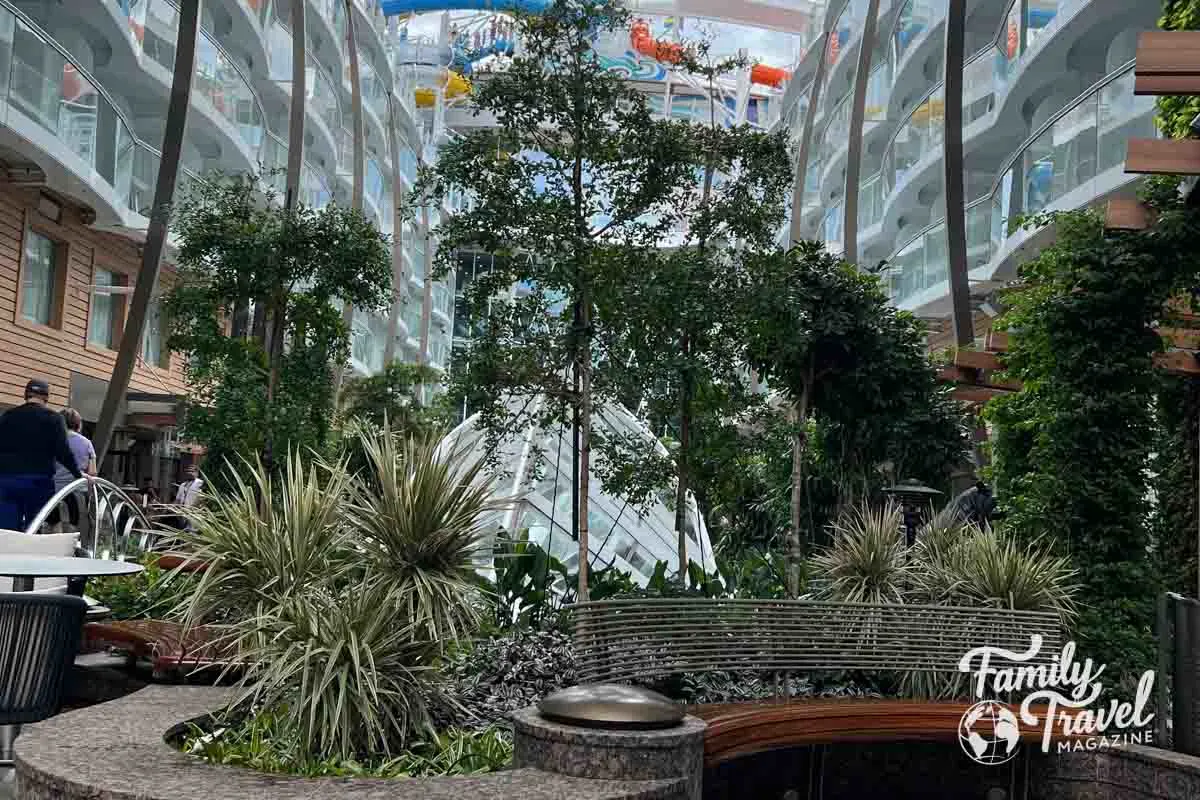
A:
(1130, 773)
(668, 754)
(117, 751)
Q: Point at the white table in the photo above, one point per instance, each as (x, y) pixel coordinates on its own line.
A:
(23, 569)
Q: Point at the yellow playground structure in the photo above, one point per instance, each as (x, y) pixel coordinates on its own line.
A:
(456, 85)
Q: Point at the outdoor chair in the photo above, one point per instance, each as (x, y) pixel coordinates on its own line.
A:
(39, 639)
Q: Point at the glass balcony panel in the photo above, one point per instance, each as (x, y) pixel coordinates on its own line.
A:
(838, 130)
(1008, 45)
(374, 181)
(54, 93)
(1001, 210)
(979, 87)
(879, 87)
(848, 25)
(832, 229)
(1075, 143)
(936, 257)
(1038, 16)
(7, 31)
(322, 96)
(1122, 117)
(870, 201)
(159, 30)
(979, 233)
(374, 92)
(914, 18)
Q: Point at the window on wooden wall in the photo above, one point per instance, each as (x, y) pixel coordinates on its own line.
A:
(43, 270)
(107, 308)
(153, 352)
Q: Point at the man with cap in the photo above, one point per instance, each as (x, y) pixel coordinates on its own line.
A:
(32, 439)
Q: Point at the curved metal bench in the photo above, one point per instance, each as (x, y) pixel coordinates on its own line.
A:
(628, 640)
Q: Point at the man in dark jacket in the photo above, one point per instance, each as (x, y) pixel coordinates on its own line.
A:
(32, 439)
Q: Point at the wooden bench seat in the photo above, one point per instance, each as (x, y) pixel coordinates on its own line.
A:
(171, 651)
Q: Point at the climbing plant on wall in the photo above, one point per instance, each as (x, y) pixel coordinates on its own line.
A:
(1074, 445)
(1175, 114)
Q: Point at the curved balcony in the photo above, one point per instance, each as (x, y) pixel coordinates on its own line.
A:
(55, 113)
(314, 190)
(1075, 159)
(220, 88)
(374, 185)
(330, 15)
(374, 97)
(371, 12)
(322, 100)
(443, 302)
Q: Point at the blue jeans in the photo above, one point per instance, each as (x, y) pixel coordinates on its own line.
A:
(22, 497)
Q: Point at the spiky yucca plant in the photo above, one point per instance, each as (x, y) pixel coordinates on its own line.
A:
(999, 571)
(419, 514)
(866, 562)
(265, 541)
(346, 670)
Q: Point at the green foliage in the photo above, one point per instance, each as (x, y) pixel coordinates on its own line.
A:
(1174, 467)
(952, 563)
(492, 676)
(824, 334)
(867, 562)
(524, 588)
(338, 591)
(259, 742)
(145, 595)
(1073, 446)
(538, 194)
(239, 246)
(419, 520)
(394, 397)
(1175, 113)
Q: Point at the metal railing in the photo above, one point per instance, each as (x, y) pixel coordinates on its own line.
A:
(625, 640)
(112, 525)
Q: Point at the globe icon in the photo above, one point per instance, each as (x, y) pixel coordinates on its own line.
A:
(988, 733)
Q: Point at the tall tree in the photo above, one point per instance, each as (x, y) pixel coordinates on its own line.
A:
(576, 171)
(681, 328)
(815, 331)
(238, 244)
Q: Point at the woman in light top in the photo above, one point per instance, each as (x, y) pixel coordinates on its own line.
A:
(85, 459)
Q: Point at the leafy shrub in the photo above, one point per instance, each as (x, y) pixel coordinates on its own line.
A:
(260, 743)
(144, 595)
(492, 677)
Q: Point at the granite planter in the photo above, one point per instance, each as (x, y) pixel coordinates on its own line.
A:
(675, 753)
(119, 751)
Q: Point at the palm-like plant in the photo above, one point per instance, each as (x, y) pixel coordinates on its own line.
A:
(419, 514)
(265, 541)
(348, 672)
(999, 571)
(866, 562)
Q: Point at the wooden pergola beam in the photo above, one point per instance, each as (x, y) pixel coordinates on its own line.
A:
(1126, 214)
(1163, 156)
(1168, 63)
(977, 360)
(1178, 362)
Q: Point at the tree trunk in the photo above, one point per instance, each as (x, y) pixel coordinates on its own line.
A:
(795, 552)
(585, 437)
(681, 480)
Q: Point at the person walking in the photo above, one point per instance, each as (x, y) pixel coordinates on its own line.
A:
(85, 459)
(188, 493)
(32, 439)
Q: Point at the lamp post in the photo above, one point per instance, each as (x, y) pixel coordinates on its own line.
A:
(914, 498)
